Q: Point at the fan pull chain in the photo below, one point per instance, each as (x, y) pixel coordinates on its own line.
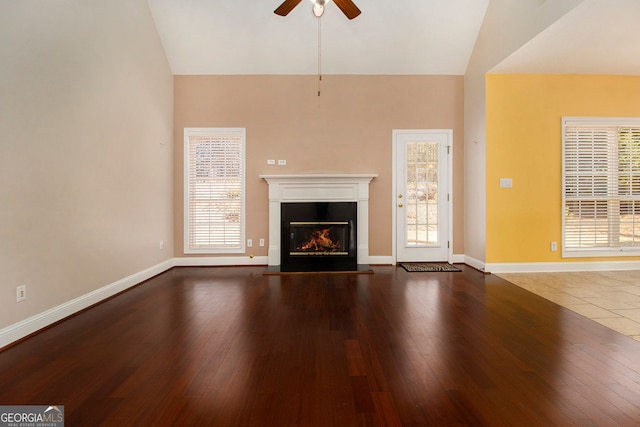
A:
(319, 53)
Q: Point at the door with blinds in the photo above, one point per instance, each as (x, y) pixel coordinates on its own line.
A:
(422, 200)
(214, 190)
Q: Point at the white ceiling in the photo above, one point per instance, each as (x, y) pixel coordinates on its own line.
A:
(389, 37)
(597, 37)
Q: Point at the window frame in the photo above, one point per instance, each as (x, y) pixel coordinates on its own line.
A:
(214, 133)
(612, 193)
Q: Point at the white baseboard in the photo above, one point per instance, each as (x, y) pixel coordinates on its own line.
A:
(261, 260)
(19, 330)
(389, 260)
(458, 259)
(475, 263)
(219, 261)
(381, 260)
(559, 267)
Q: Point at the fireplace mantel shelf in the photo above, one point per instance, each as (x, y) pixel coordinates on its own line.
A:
(320, 176)
(318, 187)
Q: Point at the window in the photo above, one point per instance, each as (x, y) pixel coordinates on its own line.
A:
(214, 190)
(601, 187)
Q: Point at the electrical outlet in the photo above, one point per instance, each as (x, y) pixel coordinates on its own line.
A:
(249, 242)
(554, 246)
(271, 162)
(21, 293)
(282, 162)
(261, 242)
(161, 245)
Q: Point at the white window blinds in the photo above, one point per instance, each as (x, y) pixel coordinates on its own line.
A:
(214, 190)
(601, 187)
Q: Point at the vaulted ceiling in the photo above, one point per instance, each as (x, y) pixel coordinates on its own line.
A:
(597, 37)
(389, 37)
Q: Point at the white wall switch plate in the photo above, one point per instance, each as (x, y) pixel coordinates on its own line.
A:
(21, 293)
(506, 183)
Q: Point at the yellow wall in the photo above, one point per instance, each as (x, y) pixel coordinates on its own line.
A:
(524, 142)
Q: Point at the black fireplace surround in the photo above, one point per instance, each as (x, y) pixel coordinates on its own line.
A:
(319, 236)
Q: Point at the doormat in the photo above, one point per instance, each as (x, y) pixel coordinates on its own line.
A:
(429, 266)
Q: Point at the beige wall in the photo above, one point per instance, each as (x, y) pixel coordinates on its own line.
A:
(348, 129)
(85, 149)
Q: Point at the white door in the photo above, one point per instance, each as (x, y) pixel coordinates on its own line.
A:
(422, 194)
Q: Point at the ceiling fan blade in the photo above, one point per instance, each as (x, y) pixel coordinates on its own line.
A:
(348, 7)
(286, 7)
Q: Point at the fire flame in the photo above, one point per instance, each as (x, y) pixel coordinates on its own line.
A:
(320, 241)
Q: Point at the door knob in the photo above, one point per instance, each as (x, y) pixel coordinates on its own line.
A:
(399, 196)
(399, 205)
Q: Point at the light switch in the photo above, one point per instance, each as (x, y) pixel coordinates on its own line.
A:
(271, 162)
(506, 183)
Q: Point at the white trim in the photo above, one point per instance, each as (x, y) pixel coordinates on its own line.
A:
(457, 259)
(575, 175)
(390, 260)
(219, 261)
(318, 188)
(475, 263)
(39, 321)
(381, 260)
(394, 182)
(209, 132)
(600, 252)
(600, 121)
(450, 195)
(559, 267)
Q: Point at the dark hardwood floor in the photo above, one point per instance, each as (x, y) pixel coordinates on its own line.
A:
(229, 346)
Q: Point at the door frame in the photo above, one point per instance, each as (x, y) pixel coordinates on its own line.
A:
(394, 195)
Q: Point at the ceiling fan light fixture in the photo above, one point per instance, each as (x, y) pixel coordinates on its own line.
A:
(348, 7)
(318, 8)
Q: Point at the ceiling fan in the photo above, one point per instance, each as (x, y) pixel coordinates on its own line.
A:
(347, 7)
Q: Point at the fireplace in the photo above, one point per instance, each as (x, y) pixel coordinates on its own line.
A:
(319, 236)
(328, 194)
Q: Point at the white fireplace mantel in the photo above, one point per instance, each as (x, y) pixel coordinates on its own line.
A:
(318, 188)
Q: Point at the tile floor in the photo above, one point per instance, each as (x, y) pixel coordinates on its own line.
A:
(611, 298)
